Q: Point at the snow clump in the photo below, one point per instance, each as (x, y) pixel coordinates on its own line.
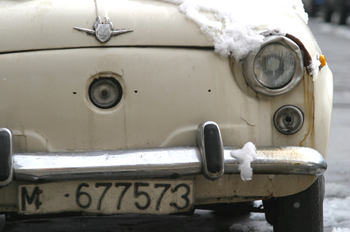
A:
(314, 68)
(236, 27)
(246, 155)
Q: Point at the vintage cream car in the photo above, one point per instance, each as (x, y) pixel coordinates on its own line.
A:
(115, 107)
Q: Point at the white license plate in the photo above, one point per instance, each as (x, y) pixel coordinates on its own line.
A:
(107, 197)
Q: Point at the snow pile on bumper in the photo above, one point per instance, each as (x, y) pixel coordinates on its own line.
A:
(246, 155)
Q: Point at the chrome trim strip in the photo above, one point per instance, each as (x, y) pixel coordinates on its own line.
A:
(158, 163)
(8, 181)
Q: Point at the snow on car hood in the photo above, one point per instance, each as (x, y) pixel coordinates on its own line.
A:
(233, 27)
(237, 27)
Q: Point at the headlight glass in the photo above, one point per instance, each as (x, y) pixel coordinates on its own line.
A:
(105, 93)
(274, 66)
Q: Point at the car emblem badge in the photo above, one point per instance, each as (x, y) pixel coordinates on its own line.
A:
(103, 31)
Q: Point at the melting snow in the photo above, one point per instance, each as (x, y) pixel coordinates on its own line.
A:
(236, 27)
(245, 156)
(314, 68)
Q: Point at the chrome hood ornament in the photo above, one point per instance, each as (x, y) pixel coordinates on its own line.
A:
(103, 31)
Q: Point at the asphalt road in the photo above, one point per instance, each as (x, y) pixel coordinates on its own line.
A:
(334, 42)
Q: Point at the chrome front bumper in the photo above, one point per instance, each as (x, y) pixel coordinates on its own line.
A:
(162, 162)
(159, 163)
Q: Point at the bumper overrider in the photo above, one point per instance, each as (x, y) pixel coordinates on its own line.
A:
(209, 158)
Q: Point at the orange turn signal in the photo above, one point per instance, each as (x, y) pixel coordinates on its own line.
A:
(323, 60)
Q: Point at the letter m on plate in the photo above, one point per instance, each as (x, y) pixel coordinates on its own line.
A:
(30, 198)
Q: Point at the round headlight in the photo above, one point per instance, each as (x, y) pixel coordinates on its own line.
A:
(276, 68)
(105, 93)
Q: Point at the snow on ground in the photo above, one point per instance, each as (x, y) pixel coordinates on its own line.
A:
(257, 222)
(340, 230)
(336, 217)
(337, 213)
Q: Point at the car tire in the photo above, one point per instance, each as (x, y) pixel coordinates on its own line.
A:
(299, 212)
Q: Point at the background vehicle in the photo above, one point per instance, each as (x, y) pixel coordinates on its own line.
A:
(337, 11)
(312, 7)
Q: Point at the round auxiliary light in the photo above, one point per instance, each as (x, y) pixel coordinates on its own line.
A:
(105, 93)
(288, 119)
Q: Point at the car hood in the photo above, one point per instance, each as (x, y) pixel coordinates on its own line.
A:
(45, 24)
(32, 25)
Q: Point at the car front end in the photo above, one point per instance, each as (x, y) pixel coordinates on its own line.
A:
(147, 121)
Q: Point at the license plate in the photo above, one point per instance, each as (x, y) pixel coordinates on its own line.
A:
(107, 197)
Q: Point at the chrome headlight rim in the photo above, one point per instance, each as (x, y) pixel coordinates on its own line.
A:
(114, 87)
(248, 70)
(281, 116)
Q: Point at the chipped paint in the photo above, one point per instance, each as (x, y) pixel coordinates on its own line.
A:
(260, 187)
(246, 122)
(271, 184)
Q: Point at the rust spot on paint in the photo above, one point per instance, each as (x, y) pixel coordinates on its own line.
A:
(20, 142)
(306, 55)
(309, 111)
(285, 153)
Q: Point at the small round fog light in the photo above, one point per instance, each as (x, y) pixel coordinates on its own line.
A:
(105, 93)
(288, 119)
